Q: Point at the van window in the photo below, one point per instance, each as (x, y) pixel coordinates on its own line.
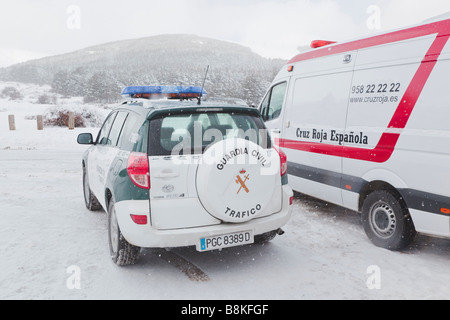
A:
(117, 128)
(193, 133)
(273, 103)
(104, 132)
(320, 102)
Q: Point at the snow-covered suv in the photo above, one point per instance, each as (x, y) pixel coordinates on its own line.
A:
(172, 173)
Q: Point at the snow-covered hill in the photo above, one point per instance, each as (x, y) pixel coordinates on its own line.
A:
(159, 60)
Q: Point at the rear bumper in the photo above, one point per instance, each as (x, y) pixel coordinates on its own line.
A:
(147, 237)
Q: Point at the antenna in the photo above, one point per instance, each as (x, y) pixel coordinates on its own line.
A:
(203, 85)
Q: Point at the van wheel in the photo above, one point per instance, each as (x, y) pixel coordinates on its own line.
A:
(89, 199)
(122, 252)
(386, 221)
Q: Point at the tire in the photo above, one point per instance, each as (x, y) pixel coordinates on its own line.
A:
(90, 200)
(122, 252)
(387, 221)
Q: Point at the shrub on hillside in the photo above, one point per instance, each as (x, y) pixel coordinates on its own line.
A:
(85, 116)
(12, 93)
(60, 118)
(46, 99)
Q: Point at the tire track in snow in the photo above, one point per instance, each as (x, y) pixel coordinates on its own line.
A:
(193, 272)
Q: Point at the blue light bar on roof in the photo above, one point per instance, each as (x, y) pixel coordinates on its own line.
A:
(160, 92)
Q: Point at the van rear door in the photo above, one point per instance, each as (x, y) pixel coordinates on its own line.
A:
(199, 169)
(173, 166)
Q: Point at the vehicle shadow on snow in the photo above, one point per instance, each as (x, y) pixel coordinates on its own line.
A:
(428, 244)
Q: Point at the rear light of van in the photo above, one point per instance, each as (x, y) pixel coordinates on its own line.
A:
(139, 170)
(283, 161)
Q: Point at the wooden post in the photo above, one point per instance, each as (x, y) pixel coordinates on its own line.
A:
(12, 123)
(71, 120)
(40, 123)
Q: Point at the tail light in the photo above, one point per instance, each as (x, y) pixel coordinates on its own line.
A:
(139, 170)
(283, 161)
(139, 219)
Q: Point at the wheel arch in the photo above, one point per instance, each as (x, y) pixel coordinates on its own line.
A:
(382, 179)
(376, 186)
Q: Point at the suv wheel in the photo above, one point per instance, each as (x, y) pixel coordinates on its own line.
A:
(89, 199)
(386, 221)
(122, 252)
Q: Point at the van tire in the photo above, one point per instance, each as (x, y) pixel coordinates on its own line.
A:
(92, 204)
(122, 252)
(387, 221)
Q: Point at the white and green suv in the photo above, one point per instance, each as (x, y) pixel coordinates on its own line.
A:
(172, 172)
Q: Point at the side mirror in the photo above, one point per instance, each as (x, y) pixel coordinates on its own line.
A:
(85, 138)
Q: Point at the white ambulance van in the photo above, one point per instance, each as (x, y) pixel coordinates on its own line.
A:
(366, 125)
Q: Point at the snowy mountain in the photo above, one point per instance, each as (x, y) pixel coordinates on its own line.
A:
(159, 60)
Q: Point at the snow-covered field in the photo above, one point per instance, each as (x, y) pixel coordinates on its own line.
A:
(52, 247)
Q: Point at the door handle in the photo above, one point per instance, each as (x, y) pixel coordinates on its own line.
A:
(347, 58)
(165, 175)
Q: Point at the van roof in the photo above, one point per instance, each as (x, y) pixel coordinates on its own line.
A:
(444, 16)
(440, 25)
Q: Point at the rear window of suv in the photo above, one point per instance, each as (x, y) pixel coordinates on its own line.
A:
(192, 133)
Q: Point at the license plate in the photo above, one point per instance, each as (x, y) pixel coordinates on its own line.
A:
(225, 241)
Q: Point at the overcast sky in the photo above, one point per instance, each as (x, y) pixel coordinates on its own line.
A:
(273, 28)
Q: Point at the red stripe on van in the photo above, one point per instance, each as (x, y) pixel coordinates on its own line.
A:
(383, 151)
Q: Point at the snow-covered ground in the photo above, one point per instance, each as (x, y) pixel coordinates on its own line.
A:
(52, 247)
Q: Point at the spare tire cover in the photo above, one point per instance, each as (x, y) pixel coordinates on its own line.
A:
(237, 179)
